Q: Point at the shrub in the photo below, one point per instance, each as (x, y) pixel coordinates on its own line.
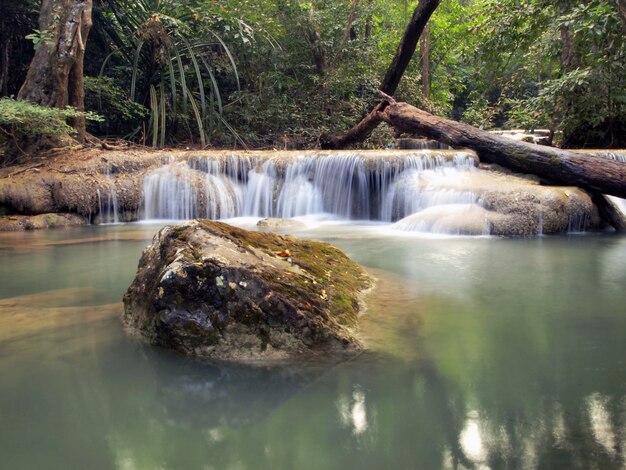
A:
(103, 96)
(26, 128)
(19, 119)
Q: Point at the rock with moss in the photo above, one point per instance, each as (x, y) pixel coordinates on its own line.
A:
(210, 289)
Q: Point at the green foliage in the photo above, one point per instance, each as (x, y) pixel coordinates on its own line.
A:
(172, 56)
(278, 74)
(478, 113)
(25, 119)
(103, 96)
(540, 63)
(39, 38)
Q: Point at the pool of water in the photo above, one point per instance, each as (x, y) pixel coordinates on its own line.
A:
(483, 353)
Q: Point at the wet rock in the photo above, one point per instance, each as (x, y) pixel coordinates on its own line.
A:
(280, 225)
(17, 223)
(209, 289)
(506, 205)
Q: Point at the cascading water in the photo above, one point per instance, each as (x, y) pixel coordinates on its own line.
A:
(343, 185)
(419, 188)
(620, 157)
(108, 208)
(171, 193)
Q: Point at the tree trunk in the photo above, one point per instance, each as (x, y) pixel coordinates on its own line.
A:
(567, 51)
(76, 85)
(64, 25)
(557, 166)
(621, 9)
(314, 40)
(396, 69)
(408, 44)
(425, 59)
(4, 69)
(368, 22)
(348, 30)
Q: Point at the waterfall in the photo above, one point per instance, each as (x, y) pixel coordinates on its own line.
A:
(620, 156)
(170, 193)
(384, 186)
(258, 200)
(420, 187)
(418, 144)
(108, 208)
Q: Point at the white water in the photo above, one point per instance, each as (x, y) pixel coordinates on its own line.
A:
(107, 200)
(620, 157)
(347, 186)
(414, 191)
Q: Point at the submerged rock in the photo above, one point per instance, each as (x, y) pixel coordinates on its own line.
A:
(280, 225)
(17, 223)
(209, 289)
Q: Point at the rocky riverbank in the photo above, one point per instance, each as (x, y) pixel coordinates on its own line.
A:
(97, 186)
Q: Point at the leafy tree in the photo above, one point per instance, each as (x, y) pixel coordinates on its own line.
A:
(540, 63)
(55, 75)
(175, 61)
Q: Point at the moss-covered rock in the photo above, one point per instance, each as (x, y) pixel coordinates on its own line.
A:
(209, 289)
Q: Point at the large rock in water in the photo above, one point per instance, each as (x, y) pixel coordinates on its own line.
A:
(504, 204)
(209, 289)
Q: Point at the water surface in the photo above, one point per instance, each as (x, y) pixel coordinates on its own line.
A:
(484, 353)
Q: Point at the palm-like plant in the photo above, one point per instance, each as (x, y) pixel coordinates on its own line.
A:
(173, 53)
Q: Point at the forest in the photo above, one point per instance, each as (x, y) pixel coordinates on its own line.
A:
(312, 234)
(261, 75)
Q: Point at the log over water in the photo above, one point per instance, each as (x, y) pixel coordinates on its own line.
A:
(554, 165)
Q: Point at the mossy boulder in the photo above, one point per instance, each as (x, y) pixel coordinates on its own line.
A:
(210, 289)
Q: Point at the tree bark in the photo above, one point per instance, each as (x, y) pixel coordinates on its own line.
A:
(348, 30)
(368, 21)
(64, 25)
(396, 69)
(4, 69)
(76, 85)
(425, 60)
(317, 50)
(567, 51)
(595, 174)
(314, 40)
(621, 9)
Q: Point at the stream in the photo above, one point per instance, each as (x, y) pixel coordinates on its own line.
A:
(483, 352)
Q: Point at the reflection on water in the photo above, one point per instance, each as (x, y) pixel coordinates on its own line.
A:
(353, 411)
(484, 353)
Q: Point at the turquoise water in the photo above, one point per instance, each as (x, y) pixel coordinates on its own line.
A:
(483, 353)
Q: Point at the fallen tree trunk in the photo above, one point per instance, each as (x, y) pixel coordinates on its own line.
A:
(595, 174)
(400, 62)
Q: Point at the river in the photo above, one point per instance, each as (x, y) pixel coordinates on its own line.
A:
(483, 352)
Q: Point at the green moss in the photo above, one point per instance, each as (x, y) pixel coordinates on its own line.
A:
(330, 280)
